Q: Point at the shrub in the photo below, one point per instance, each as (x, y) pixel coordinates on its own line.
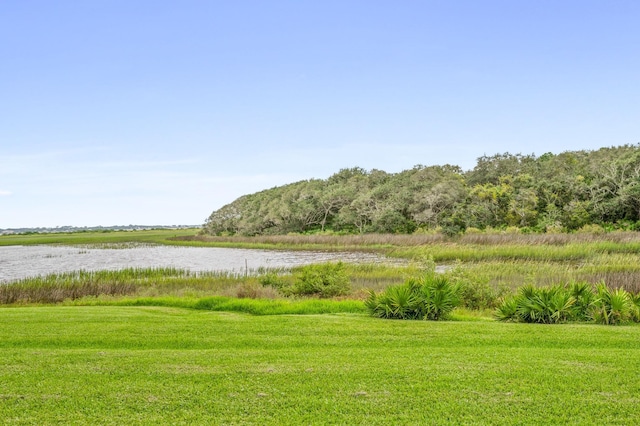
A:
(439, 297)
(324, 280)
(635, 307)
(591, 228)
(475, 293)
(584, 297)
(472, 230)
(431, 298)
(574, 302)
(252, 290)
(478, 295)
(612, 307)
(273, 279)
(397, 302)
(545, 305)
(507, 310)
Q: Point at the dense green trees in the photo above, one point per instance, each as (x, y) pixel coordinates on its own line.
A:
(552, 192)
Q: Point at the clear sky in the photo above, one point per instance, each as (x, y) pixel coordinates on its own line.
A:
(158, 112)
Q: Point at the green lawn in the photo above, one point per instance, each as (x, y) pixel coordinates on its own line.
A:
(158, 365)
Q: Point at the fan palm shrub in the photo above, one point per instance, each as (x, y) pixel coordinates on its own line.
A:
(612, 307)
(507, 310)
(574, 302)
(544, 305)
(635, 307)
(439, 297)
(584, 297)
(430, 298)
(397, 302)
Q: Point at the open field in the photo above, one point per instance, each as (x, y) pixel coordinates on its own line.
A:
(165, 346)
(154, 236)
(155, 365)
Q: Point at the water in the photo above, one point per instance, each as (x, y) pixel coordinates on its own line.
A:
(18, 262)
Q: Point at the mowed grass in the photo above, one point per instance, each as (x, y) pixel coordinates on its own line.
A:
(163, 365)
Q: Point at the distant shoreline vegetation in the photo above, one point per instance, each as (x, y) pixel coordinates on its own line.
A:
(594, 191)
(80, 229)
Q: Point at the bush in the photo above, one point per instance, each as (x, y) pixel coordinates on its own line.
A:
(635, 307)
(544, 305)
(432, 298)
(613, 307)
(591, 228)
(324, 280)
(475, 294)
(574, 302)
(584, 297)
(273, 279)
(439, 297)
(397, 302)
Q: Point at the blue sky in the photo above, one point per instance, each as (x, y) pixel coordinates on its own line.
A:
(158, 112)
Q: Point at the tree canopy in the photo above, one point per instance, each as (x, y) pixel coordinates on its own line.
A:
(551, 192)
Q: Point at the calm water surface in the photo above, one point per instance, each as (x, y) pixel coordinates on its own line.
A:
(24, 261)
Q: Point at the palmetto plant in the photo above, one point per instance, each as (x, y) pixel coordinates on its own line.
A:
(507, 310)
(439, 297)
(573, 302)
(584, 297)
(635, 307)
(430, 298)
(613, 307)
(548, 305)
(545, 305)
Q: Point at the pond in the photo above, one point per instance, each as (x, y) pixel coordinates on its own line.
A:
(18, 262)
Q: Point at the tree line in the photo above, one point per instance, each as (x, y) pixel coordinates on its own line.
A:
(551, 192)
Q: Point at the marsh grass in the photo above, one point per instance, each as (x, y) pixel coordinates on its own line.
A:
(409, 240)
(616, 270)
(482, 283)
(466, 248)
(154, 236)
(55, 288)
(489, 264)
(156, 282)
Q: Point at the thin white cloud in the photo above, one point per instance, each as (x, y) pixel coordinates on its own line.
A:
(3, 192)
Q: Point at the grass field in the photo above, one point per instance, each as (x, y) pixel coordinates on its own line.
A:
(158, 365)
(154, 236)
(169, 347)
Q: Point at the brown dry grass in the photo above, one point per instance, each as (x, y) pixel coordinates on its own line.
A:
(411, 240)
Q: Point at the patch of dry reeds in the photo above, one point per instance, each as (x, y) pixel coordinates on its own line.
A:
(361, 241)
(411, 240)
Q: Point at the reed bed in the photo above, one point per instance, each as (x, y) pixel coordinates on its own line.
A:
(409, 240)
(493, 263)
(302, 240)
(615, 270)
(55, 288)
(158, 282)
(467, 248)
